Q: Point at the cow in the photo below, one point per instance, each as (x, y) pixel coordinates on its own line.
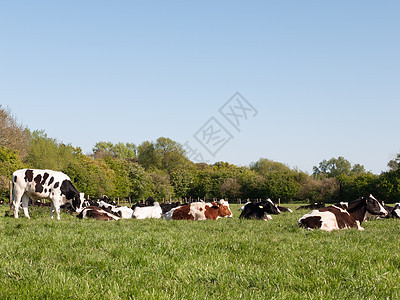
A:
(396, 211)
(148, 212)
(342, 215)
(166, 207)
(200, 211)
(44, 184)
(98, 213)
(259, 210)
(284, 209)
(124, 211)
(315, 205)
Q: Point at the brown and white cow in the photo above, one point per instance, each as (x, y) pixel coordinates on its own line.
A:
(342, 215)
(44, 184)
(200, 211)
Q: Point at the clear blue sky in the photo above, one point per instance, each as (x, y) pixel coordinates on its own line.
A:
(323, 76)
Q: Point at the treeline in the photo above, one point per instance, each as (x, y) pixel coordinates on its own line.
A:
(161, 169)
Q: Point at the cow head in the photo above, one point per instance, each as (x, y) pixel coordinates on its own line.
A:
(223, 209)
(374, 207)
(269, 207)
(78, 202)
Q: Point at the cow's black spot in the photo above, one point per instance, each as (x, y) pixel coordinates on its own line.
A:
(56, 185)
(45, 190)
(28, 175)
(38, 186)
(45, 176)
(51, 180)
(49, 190)
(311, 222)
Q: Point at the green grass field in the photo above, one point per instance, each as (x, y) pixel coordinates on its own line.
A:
(226, 259)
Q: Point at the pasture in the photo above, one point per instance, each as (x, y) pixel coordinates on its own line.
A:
(224, 259)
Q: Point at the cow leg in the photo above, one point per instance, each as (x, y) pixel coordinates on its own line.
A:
(52, 210)
(55, 207)
(25, 203)
(359, 225)
(17, 195)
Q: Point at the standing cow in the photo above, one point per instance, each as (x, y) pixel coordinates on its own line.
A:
(44, 184)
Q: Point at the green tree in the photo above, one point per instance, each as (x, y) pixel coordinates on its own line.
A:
(230, 188)
(149, 156)
(394, 164)
(264, 166)
(182, 179)
(93, 177)
(119, 150)
(47, 153)
(161, 187)
(9, 162)
(164, 154)
(13, 135)
(389, 186)
(336, 167)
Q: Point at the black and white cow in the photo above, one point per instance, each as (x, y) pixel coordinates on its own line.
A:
(259, 210)
(124, 211)
(342, 215)
(166, 207)
(396, 211)
(284, 209)
(147, 212)
(44, 184)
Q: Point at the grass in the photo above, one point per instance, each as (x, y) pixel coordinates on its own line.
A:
(42, 258)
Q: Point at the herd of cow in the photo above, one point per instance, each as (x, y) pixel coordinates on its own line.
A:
(58, 188)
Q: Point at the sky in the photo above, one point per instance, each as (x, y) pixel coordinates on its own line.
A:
(293, 81)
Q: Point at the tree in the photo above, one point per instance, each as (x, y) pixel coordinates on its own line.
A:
(13, 135)
(336, 167)
(9, 162)
(394, 164)
(264, 165)
(93, 177)
(389, 186)
(161, 187)
(230, 188)
(149, 156)
(182, 179)
(164, 154)
(119, 150)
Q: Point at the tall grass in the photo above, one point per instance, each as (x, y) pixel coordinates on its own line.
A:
(230, 258)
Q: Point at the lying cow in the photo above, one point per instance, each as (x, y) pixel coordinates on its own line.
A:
(342, 215)
(200, 211)
(284, 209)
(124, 211)
(166, 207)
(95, 212)
(315, 205)
(44, 184)
(259, 210)
(396, 211)
(148, 212)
